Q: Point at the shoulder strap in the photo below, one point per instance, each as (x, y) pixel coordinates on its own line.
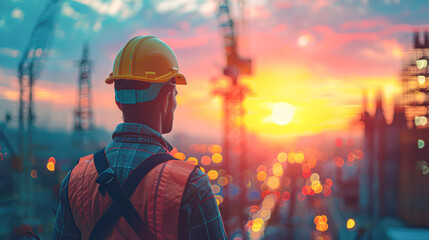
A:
(120, 194)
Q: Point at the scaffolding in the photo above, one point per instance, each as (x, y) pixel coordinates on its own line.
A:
(414, 83)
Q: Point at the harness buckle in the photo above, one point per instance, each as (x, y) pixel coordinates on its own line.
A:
(104, 179)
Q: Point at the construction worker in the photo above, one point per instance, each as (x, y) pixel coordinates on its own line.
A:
(133, 189)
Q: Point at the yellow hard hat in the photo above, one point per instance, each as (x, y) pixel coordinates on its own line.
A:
(147, 59)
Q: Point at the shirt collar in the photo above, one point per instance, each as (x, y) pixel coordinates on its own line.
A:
(135, 132)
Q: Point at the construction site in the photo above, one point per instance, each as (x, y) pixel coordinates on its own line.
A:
(309, 119)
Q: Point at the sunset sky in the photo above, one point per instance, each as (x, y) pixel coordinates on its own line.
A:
(317, 56)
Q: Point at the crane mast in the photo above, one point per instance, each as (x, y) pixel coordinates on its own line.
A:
(234, 130)
(29, 69)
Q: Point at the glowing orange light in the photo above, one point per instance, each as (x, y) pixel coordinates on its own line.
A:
(257, 224)
(285, 196)
(206, 160)
(212, 174)
(217, 158)
(249, 224)
(219, 199)
(52, 159)
(254, 209)
(328, 182)
(179, 155)
(317, 219)
(291, 157)
(351, 157)
(339, 161)
(312, 161)
(314, 184)
(322, 227)
(282, 157)
(326, 191)
(318, 189)
(299, 157)
(273, 182)
(265, 193)
(261, 176)
(351, 223)
(277, 169)
(33, 173)
(306, 190)
(202, 169)
(193, 160)
(216, 149)
(50, 166)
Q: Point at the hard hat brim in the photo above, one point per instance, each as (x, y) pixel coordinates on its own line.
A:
(180, 79)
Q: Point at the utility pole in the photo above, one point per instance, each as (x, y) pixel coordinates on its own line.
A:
(29, 69)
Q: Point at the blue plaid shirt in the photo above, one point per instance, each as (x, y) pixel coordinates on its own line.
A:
(132, 143)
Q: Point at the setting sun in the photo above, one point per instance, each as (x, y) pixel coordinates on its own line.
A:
(282, 113)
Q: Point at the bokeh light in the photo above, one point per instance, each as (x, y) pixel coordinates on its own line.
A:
(206, 160)
(50, 166)
(277, 169)
(217, 158)
(282, 157)
(213, 174)
(351, 223)
(179, 155)
(261, 176)
(33, 173)
(193, 160)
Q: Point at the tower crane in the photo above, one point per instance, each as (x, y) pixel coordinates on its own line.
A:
(29, 69)
(234, 129)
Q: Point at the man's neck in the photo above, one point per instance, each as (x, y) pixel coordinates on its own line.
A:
(154, 125)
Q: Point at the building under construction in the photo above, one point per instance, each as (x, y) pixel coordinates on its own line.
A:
(396, 167)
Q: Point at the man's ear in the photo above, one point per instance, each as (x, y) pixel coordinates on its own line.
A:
(119, 105)
(166, 102)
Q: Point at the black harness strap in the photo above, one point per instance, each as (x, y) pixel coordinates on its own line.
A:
(122, 205)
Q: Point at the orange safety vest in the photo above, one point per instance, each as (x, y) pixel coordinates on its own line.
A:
(88, 205)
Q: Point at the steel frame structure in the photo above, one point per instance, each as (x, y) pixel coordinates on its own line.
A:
(83, 115)
(29, 69)
(234, 130)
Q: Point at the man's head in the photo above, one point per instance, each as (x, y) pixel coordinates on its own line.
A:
(145, 74)
(157, 114)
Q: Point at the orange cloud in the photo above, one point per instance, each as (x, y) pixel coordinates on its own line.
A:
(365, 24)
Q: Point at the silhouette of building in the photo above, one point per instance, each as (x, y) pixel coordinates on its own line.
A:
(394, 175)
